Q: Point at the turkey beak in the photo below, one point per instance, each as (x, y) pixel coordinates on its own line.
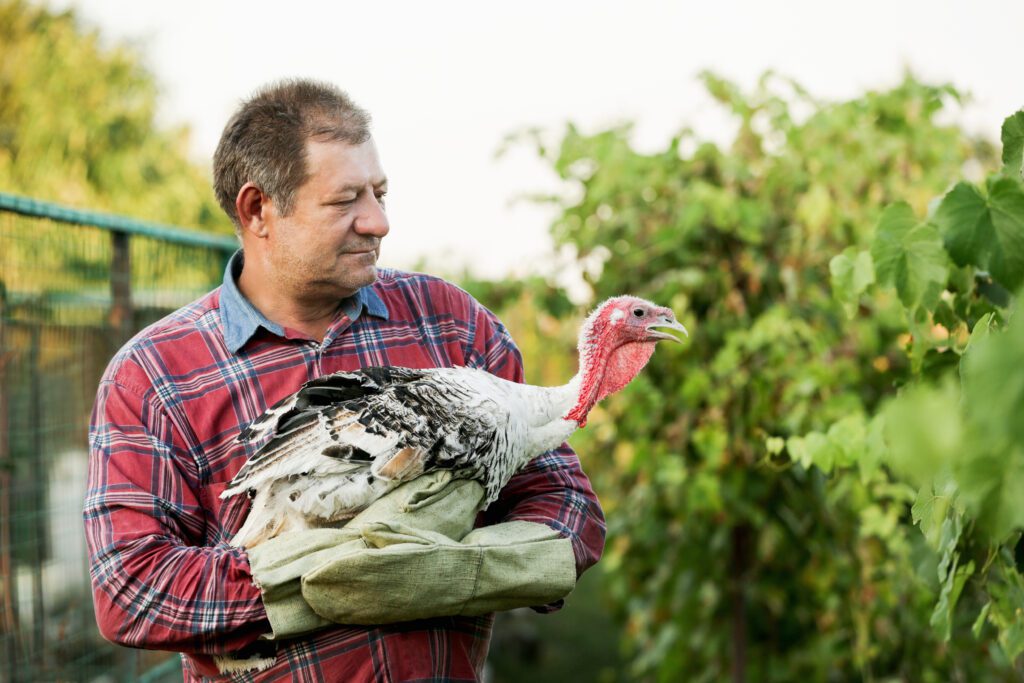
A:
(668, 323)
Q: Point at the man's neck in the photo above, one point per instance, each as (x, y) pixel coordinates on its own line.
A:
(312, 317)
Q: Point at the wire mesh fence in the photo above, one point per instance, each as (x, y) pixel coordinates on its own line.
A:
(74, 287)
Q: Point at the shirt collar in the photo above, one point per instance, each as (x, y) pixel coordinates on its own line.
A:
(241, 320)
(370, 300)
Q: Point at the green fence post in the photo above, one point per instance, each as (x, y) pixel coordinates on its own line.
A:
(38, 495)
(9, 605)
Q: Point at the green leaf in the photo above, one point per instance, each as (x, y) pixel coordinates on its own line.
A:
(846, 438)
(986, 232)
(711, 441)
(991, 484)
(852, 273)
(920, 325)
(909, 255)
(1007, 595)
(979, 623)
(1006, 197)
(1012, 640)
(796, 446)
(815, 208)
(964, 222)
(1013, 143)
(942, 617)
(950, 577)
(991, 468)
(820, 451)
(924, 430)
(931, 509)
(993, 371)
(949, 536)
(875, 448)
(981, 330)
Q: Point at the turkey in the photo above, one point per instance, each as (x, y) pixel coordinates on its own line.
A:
(346, 439)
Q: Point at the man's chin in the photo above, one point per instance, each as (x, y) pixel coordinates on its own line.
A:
(361, 277)
(354, 271)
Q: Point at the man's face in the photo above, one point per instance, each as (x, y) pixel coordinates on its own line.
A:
(328, 246)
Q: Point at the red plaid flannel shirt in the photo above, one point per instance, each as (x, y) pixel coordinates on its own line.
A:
(162, 448)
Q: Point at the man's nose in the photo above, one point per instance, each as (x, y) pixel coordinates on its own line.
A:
(372, 219)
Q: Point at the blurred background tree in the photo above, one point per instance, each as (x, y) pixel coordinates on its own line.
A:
(724, 561)
(78, 125)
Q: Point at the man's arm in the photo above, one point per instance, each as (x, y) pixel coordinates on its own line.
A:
(552, 489)
(153, 587)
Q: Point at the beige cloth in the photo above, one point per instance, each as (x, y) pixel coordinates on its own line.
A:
(412, 554)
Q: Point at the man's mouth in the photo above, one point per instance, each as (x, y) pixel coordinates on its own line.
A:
(368, 249)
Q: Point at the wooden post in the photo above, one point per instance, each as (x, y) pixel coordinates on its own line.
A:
(121, 317)
(739, 564)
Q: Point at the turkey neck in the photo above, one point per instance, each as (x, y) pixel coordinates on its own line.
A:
(606, 365)
(604, 369)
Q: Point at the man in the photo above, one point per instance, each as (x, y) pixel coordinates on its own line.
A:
(298, 173)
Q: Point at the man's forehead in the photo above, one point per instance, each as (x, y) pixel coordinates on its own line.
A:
(337, 164)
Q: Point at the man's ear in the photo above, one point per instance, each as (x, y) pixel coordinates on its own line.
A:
(251, 206)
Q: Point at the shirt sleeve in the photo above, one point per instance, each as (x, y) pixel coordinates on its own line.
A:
(154, 586)
(552, 489)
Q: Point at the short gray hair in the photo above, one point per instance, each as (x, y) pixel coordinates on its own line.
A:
(265, 141)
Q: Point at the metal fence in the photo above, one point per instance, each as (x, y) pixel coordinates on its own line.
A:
(74, 286)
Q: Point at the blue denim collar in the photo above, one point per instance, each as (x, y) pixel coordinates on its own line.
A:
(241, 320)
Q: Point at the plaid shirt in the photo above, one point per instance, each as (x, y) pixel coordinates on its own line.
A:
(162, 449)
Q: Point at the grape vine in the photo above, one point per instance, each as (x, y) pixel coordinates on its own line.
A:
(955, 427)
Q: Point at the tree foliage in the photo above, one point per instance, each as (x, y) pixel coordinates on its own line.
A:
(955, 430)
(77, 125)
(759, 526)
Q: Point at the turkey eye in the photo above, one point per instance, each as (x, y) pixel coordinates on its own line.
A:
(638, 312)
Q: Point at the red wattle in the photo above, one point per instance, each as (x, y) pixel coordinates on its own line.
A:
(624, 364)
(608, 373)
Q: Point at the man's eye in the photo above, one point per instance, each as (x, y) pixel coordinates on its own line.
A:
(381, 196)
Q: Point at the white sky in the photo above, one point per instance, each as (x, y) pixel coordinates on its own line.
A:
(446, 81)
